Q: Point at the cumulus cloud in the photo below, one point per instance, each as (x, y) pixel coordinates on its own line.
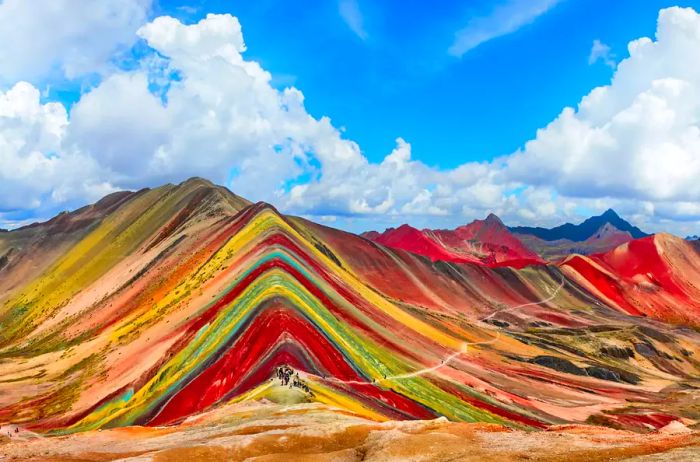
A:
(505, 19)
(121, 125)
(34, 167)
(355, 186)
(68, 37)
(222, 117)
(636, 138)
(633, 144)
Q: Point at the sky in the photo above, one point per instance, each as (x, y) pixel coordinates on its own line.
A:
(358, 114)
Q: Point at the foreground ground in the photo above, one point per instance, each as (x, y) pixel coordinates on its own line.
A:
(264, 431)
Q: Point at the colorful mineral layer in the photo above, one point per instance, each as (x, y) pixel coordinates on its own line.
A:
(160, 313)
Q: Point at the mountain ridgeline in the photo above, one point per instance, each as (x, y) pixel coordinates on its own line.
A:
(491, 243)
(582, 231)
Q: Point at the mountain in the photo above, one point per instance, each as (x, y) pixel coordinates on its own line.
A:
(406, 237)
(486, 242)
(582, 231)
(606, 238)
(172, 306)
(643, 276)
(29, 251)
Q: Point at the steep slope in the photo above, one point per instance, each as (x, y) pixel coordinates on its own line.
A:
(490, 240)
(482, 241)
(406, 237)
(28, 251)
(91, 241)
(582, 231)
(655, 276)
(184, 299)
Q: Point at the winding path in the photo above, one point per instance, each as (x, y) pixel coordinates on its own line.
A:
(456, 353)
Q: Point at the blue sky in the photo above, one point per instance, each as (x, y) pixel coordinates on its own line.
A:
(356, 113)
(401, 81)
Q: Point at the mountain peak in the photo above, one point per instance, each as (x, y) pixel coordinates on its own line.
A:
(493, 219)
(584, 230)
(610, 214)
(197, 181)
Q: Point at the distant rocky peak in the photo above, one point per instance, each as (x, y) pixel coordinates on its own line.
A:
(608, 229)
(493, 219)
(610, 214)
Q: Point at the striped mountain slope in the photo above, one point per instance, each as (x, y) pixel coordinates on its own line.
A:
(163, 304)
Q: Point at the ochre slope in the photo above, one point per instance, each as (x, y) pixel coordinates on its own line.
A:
(264, 431)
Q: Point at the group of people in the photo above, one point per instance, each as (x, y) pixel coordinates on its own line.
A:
(284, 374)
(9, 432)
(287, 376)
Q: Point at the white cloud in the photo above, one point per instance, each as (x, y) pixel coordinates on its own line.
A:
(222, 116)
(638, 137)
(68, 37)
(356, 186)
(601, 52)
(34, 167)
(505, 19)
(350, 12)
(121, 125)
(633, 145)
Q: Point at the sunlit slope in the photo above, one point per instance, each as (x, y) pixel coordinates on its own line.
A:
(185, 297)
(656, 276)
(144, 219)
(27, 252)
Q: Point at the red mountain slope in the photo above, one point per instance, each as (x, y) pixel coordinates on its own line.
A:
(486, 242)
(406, 237)
(648, 276)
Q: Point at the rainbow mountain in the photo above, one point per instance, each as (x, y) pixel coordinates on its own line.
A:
(152, 307)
